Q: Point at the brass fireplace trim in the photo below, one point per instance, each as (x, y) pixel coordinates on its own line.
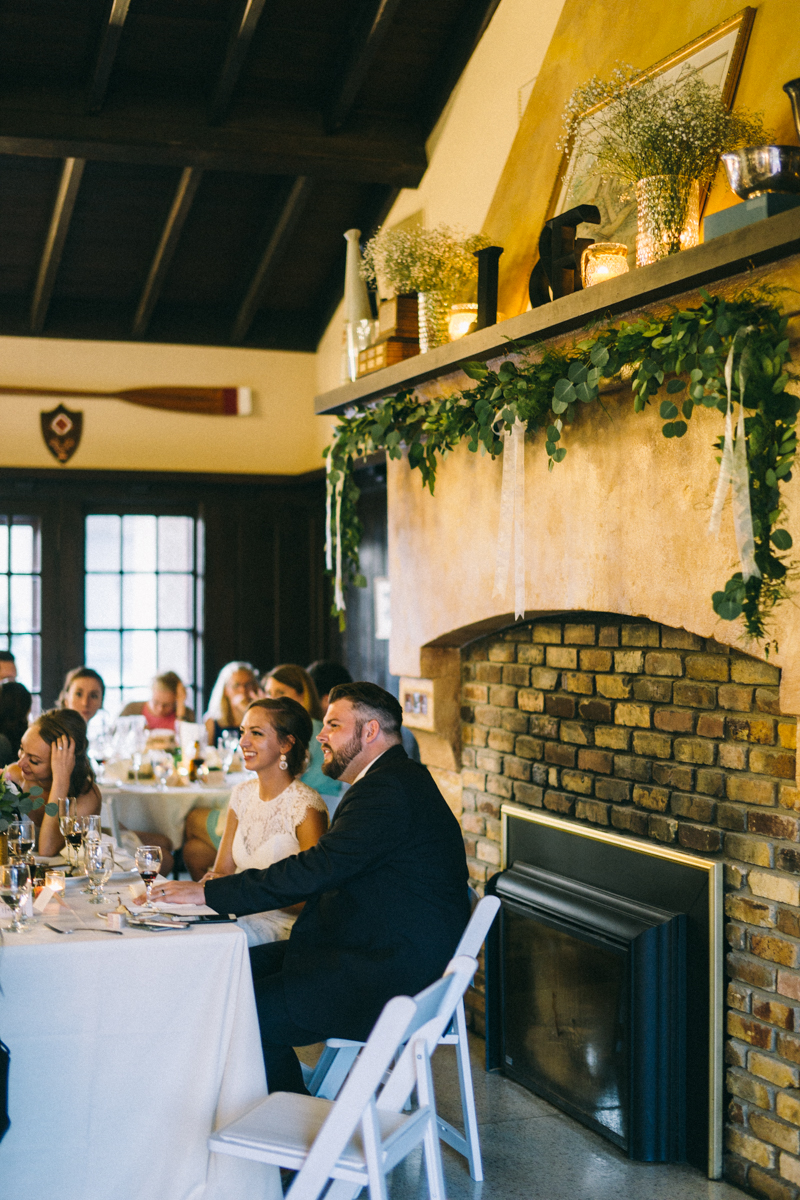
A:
(715, 937)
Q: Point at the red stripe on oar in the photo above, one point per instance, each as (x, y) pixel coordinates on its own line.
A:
(230, 401)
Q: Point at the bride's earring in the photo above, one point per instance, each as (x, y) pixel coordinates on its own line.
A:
(284, 766)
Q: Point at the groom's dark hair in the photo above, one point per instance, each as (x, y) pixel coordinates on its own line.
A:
(372, 703)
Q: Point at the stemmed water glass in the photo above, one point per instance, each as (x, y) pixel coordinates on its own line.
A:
(90, 834)
(148, 862)
(22, 839)
(99, 858)
(13, 889)
(162, 768)
(229, 743)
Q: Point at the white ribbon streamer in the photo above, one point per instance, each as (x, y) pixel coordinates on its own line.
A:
(328, 505)
(338, 593)
(733, 472)
(512, 518)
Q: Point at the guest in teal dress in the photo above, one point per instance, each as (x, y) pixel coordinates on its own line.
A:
(288, 679)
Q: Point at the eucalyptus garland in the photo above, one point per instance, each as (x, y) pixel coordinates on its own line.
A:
(683, 354)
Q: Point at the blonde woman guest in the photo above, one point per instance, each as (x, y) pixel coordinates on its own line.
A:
(167, 703)
(236, 687)
(53, 756)
(272, 816)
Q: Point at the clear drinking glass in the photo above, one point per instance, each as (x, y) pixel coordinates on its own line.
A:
(148, 862)
(13, 889)
(99, 858)
(229, 744)
(90, 833)
(21, 839)
(162, 767)
(67, 818)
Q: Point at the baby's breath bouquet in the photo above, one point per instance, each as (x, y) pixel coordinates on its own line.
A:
(662, 135)
(439, 264)
(656, 127)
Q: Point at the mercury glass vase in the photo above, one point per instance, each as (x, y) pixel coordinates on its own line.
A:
(667, 216)
(434, 319)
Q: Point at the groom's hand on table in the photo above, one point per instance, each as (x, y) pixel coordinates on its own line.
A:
(171, 892)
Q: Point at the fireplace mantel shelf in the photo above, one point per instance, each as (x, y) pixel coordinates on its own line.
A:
(732, 254)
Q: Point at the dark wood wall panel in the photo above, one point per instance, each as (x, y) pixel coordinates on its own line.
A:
(267, 599)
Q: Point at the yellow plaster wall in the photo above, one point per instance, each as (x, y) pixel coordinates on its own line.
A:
(281, 437)
(590, 39)
(620, 526)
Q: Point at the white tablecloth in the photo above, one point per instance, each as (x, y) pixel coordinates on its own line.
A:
(126, 1052)
(145, 807)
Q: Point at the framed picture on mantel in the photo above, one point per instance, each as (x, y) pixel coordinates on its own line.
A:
(718, 56)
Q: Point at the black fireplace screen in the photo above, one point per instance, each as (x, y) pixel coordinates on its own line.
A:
(592, 1007)
(572, 1041)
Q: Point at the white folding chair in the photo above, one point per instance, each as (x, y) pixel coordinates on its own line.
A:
(339, 1054)
(357, 1139)
(110, 817)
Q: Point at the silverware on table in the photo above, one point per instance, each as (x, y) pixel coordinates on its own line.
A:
(82, 929)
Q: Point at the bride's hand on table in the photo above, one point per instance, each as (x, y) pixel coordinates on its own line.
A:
(171, 892)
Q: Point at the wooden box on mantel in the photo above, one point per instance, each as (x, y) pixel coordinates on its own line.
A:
(397, 318)
(384, 354)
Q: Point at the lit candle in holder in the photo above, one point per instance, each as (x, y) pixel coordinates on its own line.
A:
(603, 260)
(55, 881)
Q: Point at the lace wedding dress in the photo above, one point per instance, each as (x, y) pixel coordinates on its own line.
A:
(265, 834)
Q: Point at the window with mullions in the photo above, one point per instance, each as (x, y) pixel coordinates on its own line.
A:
(21, 599)
(144, 603)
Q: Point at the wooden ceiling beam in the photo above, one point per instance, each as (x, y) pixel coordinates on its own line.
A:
(364, 47)
(71, 175)
(238, 46)
(168, 244)
(279, 237)
(159, 135)
(107, 53)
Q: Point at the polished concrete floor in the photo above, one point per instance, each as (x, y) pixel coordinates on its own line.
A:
(531, 1151)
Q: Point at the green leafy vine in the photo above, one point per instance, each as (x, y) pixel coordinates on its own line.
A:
(683, 354)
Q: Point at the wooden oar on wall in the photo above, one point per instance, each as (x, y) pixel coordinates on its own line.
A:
(219, 401)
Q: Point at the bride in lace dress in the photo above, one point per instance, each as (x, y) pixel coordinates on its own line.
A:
(274, 815)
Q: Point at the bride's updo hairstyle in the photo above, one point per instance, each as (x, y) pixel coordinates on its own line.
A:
(292, 723)
(65, 722)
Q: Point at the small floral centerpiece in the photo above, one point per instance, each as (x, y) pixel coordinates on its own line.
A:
(662, 136)
(438, 264)
(14, 802)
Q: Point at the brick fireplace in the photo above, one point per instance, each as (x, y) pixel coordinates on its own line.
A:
(660, 734)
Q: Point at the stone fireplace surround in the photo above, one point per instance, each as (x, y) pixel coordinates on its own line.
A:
(657, 733)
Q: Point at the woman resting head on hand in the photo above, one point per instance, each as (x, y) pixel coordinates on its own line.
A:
(83, 692)
(235, 689)
(53, 756)
(270, 817)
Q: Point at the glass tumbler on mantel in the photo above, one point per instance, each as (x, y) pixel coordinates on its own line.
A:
(434, 319)
(667, 217)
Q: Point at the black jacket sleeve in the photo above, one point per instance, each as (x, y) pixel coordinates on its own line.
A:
(370, 821)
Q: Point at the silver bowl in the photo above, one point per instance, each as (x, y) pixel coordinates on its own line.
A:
(757, 170)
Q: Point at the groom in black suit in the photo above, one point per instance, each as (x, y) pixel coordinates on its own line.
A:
(385, 892)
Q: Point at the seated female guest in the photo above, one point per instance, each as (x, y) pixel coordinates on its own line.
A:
(236, 687)
(15, 706)
(167, 703)
(53, 756)
(83, 692)
(290, 680)
(274, 815)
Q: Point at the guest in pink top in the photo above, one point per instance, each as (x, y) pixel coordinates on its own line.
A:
(167, 703)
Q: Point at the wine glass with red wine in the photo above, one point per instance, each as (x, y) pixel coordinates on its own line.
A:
(148, 862)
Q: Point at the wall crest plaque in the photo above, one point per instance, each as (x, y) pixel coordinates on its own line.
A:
(61, 430)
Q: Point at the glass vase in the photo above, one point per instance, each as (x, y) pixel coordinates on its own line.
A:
(667, 216)
(434, 319)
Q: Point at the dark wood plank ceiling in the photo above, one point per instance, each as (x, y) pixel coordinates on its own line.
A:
(184, 170)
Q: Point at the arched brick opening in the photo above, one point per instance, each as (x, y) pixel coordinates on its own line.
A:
(657, 733)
